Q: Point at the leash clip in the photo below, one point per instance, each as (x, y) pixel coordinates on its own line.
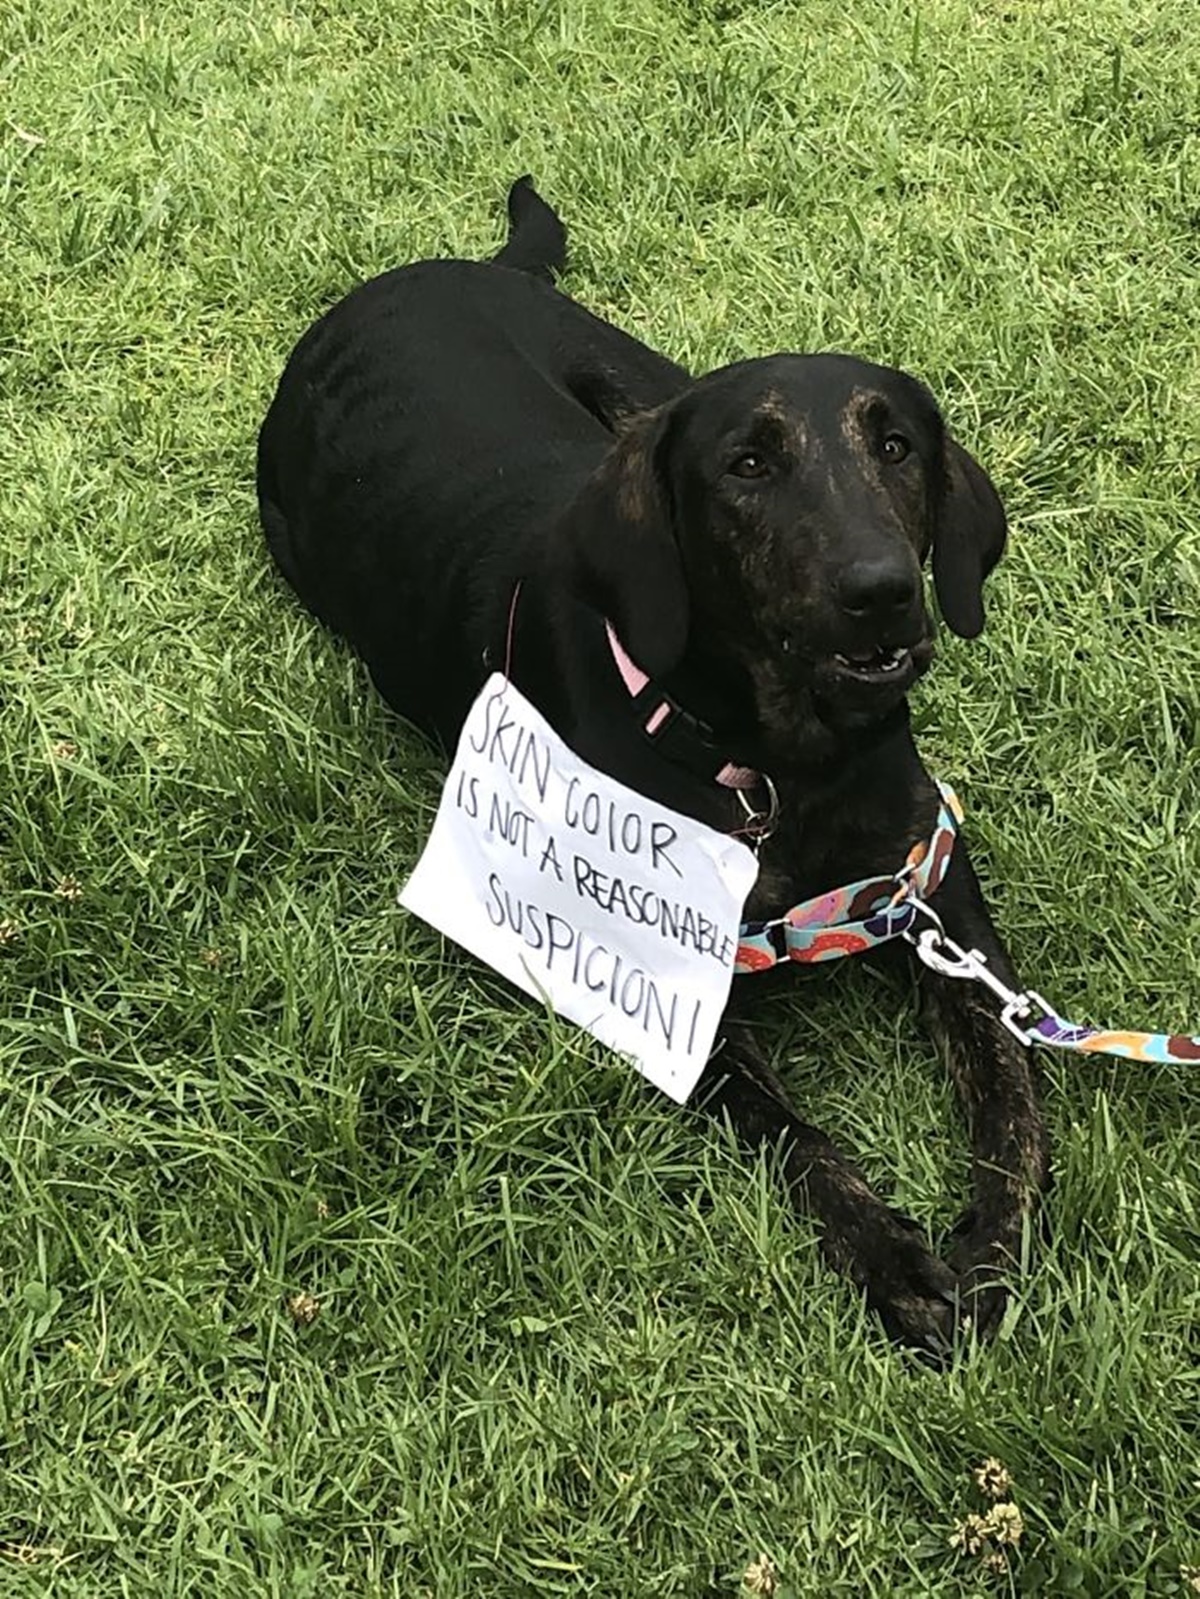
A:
(1025, 1013)
(942, 954)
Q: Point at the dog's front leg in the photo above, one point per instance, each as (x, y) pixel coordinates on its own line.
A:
(880, 1249)
(993, 1073)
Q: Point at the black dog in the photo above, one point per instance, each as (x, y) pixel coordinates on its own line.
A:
(755, 538)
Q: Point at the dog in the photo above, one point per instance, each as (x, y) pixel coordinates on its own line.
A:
(455, 432)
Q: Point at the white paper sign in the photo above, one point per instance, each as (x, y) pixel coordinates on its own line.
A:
(622, 913)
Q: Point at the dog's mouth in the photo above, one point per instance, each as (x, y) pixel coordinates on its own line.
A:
(885, 664)
(868, 680)
(893, 667)
(856, 687)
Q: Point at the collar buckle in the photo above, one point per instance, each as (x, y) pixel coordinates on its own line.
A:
(664, 721)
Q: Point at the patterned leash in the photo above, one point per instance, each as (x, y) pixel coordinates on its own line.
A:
(1031, 1018)
(863, 915)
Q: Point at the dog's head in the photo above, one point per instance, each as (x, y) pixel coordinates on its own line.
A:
(776, 514)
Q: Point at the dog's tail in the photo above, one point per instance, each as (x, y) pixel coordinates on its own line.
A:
(537, 238)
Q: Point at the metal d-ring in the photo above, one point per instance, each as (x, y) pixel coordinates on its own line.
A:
(761, 824)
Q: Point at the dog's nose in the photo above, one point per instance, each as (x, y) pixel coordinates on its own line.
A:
(876, 588)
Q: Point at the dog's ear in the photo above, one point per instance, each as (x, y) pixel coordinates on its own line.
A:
(969, 540)
(620, 547)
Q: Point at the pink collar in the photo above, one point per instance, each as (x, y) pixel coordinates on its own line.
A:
(658, 713)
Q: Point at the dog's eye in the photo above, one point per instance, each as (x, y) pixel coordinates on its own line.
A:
(749, 464)
(895, 447)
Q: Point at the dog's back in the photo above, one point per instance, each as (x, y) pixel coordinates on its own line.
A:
(425, 438)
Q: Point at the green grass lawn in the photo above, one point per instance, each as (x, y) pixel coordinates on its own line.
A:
(566, 1340)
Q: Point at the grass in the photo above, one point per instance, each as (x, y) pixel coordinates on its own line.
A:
(567, 1341)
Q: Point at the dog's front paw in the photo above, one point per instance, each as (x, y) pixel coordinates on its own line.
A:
(984, 1256)
(916, 1295)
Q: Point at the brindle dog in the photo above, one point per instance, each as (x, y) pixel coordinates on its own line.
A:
(755, 537)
